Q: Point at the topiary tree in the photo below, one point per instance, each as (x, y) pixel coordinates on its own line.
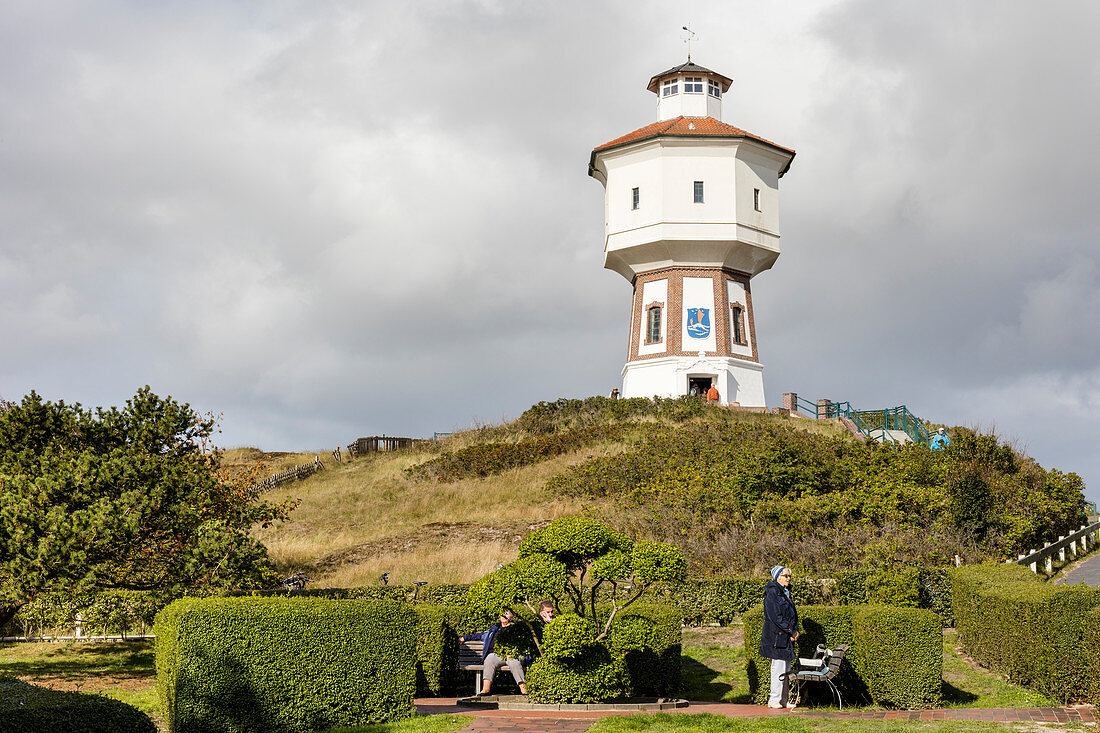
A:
(587, 563)
(597, 558)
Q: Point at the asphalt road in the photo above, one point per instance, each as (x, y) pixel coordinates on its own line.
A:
(1087, 572)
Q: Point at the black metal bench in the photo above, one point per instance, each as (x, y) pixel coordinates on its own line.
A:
(823, 667)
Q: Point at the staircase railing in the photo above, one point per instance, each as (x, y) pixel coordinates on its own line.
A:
(870, 423)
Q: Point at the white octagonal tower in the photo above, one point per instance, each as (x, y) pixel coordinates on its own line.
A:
(691, 207)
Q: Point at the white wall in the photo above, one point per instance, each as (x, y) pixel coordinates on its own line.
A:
(737, 381)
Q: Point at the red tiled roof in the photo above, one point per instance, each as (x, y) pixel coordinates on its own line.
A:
(686, 127)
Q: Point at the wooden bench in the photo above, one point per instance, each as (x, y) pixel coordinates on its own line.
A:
(823, 667)
(469, 659)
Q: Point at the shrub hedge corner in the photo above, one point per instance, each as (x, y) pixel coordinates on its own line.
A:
(258, 664)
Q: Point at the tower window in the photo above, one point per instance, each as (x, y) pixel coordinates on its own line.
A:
(693, 85)
(755, 199)
(698, 192)
(653, 324)
(714, 88)
(670, 87)
(635, 198)
(737, 323)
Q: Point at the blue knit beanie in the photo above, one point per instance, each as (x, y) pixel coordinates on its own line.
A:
(777, 570)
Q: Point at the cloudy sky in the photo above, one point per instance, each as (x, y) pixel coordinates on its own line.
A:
(332, 219)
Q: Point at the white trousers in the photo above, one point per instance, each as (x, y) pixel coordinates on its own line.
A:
(778, 693)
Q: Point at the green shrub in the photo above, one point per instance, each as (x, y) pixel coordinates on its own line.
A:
(1092, 641)
(438, 630)
(485, 459)
(598, 676)
(26, 708)
(1027, 629)
(259, 664)
(899, 656)
(569, 637)
(897, 672)
(649, 639)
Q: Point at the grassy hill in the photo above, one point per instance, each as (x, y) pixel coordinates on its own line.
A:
(737, 491)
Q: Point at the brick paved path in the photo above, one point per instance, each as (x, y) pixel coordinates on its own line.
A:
(517, 721)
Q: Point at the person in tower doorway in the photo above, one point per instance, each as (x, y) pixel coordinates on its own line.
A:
(712, 394)
(779, 633)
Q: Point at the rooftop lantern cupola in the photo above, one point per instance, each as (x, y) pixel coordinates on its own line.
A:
(689, 90)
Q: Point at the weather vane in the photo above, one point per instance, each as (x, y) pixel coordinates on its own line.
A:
(688, 38)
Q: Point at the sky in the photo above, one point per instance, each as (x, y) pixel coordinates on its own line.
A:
(325, 220)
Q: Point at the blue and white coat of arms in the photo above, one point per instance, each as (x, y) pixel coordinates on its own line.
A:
(698, 326)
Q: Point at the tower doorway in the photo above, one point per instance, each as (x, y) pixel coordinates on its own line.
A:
(698, 386)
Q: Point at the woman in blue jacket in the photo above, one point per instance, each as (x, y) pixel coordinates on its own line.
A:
(492, 661)
(779, 634)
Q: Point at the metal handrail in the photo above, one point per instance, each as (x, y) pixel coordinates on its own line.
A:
(870, 423)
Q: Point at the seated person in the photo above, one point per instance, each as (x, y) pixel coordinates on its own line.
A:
(492, 661)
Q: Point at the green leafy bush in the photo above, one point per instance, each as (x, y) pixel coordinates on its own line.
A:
(1027, 629)
(649, 638)
(569, 637)
(899, 655)
(598, 676)
(1091, 638)
(258, 664)
(902, 672)
(486, 459)
(26, 708)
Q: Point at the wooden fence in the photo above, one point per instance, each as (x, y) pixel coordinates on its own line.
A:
(291, 474)
(379, 443)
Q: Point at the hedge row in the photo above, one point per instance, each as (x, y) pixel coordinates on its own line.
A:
(27, 708)
(259, 664)
(133, 612)
(895, 657)
(1035, 633)
(702, 601)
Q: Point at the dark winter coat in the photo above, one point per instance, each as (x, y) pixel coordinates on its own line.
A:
(780, 624)
(488, 639)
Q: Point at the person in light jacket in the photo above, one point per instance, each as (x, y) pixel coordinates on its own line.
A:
(779, 634)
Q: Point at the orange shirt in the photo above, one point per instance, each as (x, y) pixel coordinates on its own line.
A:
(712, 394)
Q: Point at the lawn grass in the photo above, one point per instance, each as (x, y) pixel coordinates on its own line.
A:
(712, 665)
(121, 670)
(706, 723)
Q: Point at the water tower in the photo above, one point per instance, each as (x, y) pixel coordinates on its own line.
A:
(691, 208)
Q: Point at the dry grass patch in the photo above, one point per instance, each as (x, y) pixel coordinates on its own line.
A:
(459, 562)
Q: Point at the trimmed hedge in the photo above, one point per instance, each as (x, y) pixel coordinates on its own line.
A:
(1092, 641)
(26, 708)
(1030, 630)
(649, 638)
(895, 657)
(276, 664)
(596, 676)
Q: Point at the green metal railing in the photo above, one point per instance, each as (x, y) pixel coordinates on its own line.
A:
(871, 423)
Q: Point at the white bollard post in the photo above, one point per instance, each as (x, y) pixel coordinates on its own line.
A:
(1073, 546)
(1061, 550)
(1050, 564)
(79, 624)
(1034, 566)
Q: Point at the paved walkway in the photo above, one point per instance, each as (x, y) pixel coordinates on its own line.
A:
(511, 721)
(1087, 572)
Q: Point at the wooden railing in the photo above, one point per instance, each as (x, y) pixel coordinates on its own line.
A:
(291, 474)
(379, 443)
(1076, 542)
